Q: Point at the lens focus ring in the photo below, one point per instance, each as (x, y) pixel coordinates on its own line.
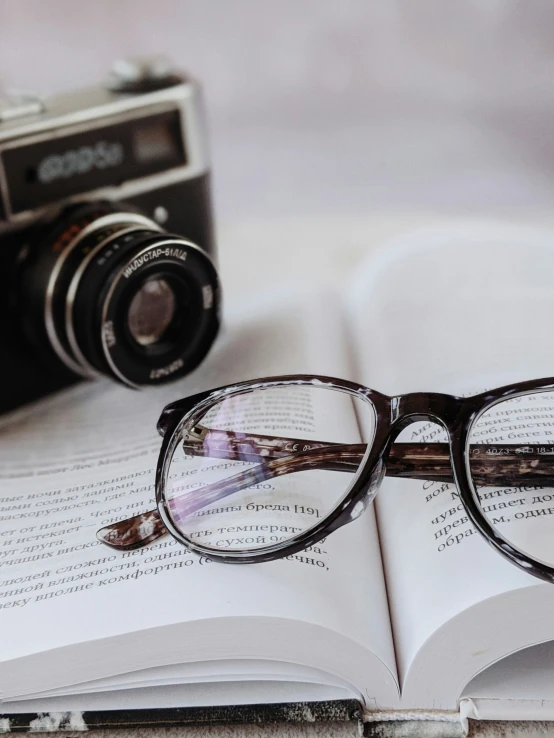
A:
(110, 293)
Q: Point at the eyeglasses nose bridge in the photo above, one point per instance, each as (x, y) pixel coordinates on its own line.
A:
(416, 407)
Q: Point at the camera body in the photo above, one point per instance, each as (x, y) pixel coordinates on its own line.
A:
(127, 159)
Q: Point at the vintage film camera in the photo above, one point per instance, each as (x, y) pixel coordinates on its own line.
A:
(91, 283)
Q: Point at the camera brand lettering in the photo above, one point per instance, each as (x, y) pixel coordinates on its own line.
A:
(151, 256)
(165, 371)
(102, 155)
(108, 334)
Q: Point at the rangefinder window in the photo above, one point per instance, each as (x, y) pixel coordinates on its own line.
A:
(55, 169)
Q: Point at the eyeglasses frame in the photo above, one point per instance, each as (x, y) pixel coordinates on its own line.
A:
(457, 416)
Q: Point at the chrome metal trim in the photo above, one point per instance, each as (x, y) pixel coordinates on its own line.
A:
(112, 218)
(168, 242)
(74, 285)
(92, 103)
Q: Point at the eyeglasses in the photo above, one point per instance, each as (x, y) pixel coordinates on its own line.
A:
(261, 470)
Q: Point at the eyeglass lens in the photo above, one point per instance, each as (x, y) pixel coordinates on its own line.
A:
(265, 466)
(519, 434)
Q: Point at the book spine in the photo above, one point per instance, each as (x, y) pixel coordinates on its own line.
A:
(413, 724)
(287, 712)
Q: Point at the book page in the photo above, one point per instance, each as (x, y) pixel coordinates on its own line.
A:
(454, 310)
(86, 457)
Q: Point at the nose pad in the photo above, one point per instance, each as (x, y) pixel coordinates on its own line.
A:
(370, 491)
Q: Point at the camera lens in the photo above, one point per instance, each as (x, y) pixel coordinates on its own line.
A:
(151, 311)
(110, 293)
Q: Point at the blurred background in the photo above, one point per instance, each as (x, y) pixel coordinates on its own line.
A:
(328, 106)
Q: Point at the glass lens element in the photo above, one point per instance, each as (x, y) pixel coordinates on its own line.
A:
(264, 466)
(151, 311)
(511, 452)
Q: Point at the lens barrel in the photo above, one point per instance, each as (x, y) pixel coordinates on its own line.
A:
(110, 293)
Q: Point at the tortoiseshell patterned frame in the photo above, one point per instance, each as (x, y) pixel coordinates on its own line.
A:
(515, 464)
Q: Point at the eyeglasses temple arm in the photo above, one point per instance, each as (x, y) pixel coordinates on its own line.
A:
(144, 528)
(503, 464)
(494, 463)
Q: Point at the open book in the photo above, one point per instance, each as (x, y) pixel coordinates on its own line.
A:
(380, 612)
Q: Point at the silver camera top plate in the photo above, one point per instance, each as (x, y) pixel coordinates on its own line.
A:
(28, 120)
